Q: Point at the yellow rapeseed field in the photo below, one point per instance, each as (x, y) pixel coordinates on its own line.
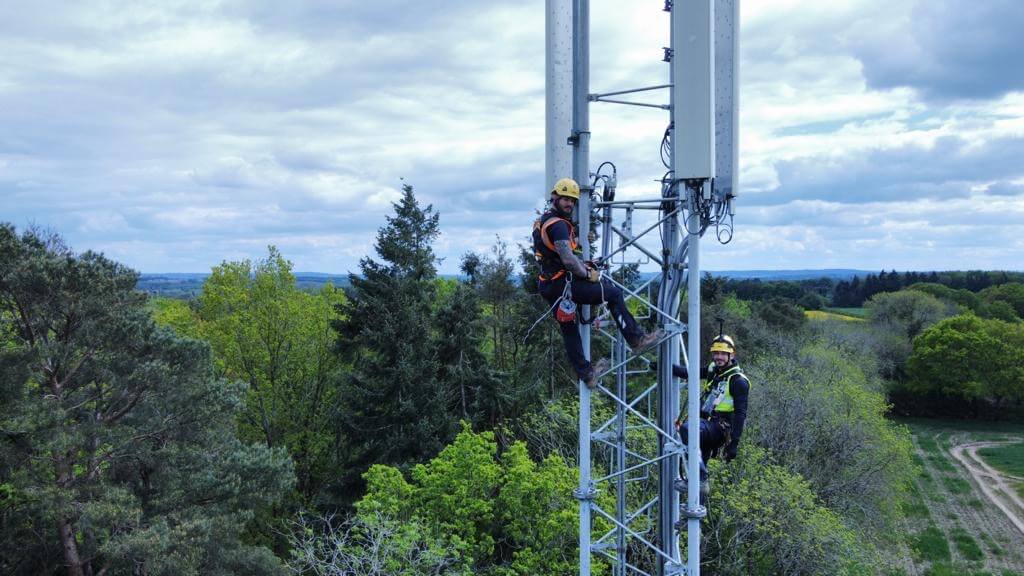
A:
(822, 315)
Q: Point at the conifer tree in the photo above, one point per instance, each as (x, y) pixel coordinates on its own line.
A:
(393, 408)
(123, 457)
(463, 366)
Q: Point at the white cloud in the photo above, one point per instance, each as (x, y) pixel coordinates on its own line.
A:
(177, 135)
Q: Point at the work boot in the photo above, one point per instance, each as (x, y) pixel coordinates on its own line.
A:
(596, 370)
(646, 341)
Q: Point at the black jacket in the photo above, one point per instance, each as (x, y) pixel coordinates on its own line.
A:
(739, 389)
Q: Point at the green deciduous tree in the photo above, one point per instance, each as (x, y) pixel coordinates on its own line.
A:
(967, 362)
(371, 545)
(278, 340)
(898, 317)
(964, 298)
(766, 520)
(822, 416)
(123, 451)
(1011, 293)
(501, 514)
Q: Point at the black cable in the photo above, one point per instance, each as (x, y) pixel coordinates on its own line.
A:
(666, 146)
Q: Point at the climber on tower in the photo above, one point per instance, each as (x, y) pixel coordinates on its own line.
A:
(564, 276)
(723, 409)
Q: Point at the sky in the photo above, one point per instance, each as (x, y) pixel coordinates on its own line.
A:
(174, 135)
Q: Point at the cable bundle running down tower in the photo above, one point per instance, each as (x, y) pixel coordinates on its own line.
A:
(630, 494)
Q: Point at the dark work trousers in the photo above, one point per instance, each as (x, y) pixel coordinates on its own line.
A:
(712, 437)
(583, 292)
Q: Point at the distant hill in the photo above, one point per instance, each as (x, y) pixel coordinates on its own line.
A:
(832, 273)
(190, 284)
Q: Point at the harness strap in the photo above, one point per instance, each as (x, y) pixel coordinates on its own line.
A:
(547, 240)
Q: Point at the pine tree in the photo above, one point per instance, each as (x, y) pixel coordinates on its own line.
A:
(123, 457)
(393, 409)
(462, 363)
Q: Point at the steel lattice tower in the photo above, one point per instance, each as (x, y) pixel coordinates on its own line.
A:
(636, 452)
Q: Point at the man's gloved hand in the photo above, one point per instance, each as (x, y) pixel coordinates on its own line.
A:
(593, 274)
(730, 453)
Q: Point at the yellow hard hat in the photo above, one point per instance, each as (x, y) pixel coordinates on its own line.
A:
(567, 187)
(723, 343)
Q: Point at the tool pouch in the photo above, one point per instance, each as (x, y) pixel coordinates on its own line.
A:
(566, 311)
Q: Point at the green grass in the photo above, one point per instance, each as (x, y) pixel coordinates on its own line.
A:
(1013, 424)
(1009, 458)
(942, 464)
(966, 545)
(956, 485)
(855, 312)
(996, 549)
(930, 544)
(928, 444)
(915, 508)
(943, 569)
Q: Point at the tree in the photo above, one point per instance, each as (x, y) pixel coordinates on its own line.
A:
(523, 365)
(372, 545)
(277, 339)
(898, 318)
(780, 314)
(122, 439)
(1011, 293)
(462, 363)
(394, 409)
(965, 298)
(968, 361)
(823, 417)
(499, 513)
(767, 520)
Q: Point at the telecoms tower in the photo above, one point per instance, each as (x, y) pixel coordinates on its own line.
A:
(629, 492)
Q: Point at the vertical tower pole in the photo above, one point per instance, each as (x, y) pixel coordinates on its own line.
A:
(558, 64)
(581, 173)
(693, 164)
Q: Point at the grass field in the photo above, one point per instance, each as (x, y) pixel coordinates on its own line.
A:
(1008, 459)
(951, 527)
(829, 315)
(861, 313)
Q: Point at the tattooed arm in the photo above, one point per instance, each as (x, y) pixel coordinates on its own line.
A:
(569, 260)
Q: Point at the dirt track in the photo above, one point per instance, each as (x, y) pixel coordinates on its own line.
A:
(966, 507)
(992, 483)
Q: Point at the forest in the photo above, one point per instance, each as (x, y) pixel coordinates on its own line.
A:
(403, 425)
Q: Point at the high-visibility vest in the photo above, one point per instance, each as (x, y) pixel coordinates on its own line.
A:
(717, 396)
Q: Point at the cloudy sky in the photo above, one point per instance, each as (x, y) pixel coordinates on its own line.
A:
(174, 135)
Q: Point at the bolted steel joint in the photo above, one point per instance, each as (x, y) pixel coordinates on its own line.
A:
(587, 495)
(674, 569)
(699, 512)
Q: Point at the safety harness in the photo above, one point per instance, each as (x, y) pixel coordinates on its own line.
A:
(544, 249)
